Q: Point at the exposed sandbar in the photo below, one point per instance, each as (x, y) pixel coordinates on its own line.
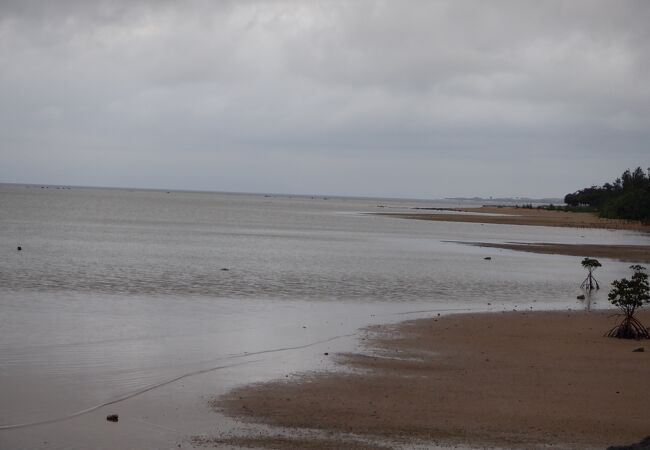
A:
(518, 380)
(631, 253)
(524, 216)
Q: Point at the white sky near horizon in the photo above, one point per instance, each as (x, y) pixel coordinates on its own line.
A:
(419, 99)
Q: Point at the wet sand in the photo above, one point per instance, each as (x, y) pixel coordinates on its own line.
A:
(524, 216)
(630, 253)
(517, 380)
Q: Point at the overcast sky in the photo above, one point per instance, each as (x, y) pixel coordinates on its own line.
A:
(423, 99)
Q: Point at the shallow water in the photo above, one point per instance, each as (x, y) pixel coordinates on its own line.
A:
(119, 291)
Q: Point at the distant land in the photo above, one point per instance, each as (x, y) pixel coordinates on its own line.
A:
(554, 201)
(479, 200)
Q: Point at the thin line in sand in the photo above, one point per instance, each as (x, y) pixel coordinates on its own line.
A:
(170, 381)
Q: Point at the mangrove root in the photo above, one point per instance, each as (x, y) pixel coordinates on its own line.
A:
(629, 328)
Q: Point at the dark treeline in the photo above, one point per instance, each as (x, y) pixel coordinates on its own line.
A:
(628, 197)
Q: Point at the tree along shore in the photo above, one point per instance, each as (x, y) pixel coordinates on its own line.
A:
(628, 197)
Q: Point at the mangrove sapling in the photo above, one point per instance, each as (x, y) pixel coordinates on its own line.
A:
(591, 265)
(628, 296)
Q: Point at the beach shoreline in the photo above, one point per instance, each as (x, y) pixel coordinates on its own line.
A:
(525, 216)
(508, 380)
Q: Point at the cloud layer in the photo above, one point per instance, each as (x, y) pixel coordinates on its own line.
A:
(420, 99)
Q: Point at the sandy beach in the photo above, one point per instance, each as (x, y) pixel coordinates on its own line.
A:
(524, 216)
(513, 380)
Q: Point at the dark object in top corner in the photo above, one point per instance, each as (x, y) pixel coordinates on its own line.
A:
(19, 248)
(113, 418)
(643, 445)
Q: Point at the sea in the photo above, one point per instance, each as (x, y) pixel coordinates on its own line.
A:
(150, 304)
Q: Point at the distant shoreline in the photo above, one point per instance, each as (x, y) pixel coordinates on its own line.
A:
(537, 217)
(511, 380)
(524, 216)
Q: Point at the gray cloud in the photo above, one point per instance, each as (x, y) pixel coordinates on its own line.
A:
(424, 99)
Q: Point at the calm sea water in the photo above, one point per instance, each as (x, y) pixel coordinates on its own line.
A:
(118, 291)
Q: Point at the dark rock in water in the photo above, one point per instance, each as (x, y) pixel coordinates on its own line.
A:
(643, 445)
(580, 297)
(487, 258)
(113, 418)
(325, 353)
(639, 350)
(225, 269)
(19, 248)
